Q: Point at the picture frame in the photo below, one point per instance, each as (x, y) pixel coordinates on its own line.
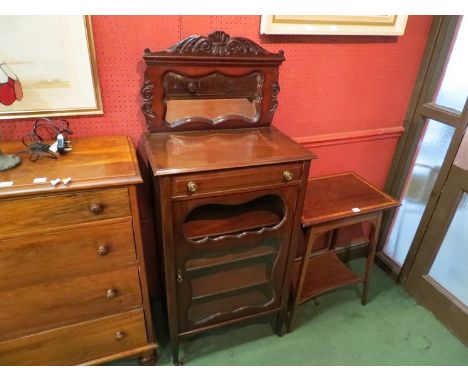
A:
(378, 25)
(50, 62)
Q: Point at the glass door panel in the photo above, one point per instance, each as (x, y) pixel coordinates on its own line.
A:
(231, 254)
(230, 286)
(450, 267)
(429, 158)
(454, 86)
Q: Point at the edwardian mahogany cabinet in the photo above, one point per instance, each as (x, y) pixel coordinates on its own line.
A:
(228, 186)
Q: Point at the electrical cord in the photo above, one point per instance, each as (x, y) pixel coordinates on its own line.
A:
(37, 148)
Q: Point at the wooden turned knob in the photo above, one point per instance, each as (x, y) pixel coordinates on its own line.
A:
(119, 335)
(111, 293)
(95, 208)
(192, 186)
(288, 175)
(102, 250)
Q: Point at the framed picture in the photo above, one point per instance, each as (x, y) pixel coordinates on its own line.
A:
(381, 25)
(47, 67)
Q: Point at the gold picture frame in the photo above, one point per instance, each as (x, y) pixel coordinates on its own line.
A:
(379, 25)
(54, 60)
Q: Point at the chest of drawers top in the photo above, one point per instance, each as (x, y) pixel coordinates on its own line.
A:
(95, 162)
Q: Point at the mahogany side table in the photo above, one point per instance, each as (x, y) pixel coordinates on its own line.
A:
(331, 203)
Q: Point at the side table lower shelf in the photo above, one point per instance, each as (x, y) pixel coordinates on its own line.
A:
(325, 272)
(334, 202)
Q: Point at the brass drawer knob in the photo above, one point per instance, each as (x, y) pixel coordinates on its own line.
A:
(288, 175)
(192, 186)
(95, 208)
(111, 293)
(191, 87)
(119, 335)
(102, 250)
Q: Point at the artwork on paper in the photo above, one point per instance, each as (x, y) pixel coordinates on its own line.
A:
(379, 25)
(47, 67)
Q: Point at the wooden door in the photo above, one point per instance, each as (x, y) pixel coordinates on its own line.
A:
(439, 276)
(231, 254)
(426, 150)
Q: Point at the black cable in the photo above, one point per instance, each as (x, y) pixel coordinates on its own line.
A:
(37, 148)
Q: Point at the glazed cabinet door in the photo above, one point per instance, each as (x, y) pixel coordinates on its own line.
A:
(230, 254)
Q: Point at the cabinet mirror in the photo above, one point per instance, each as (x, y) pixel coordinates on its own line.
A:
(213, 98)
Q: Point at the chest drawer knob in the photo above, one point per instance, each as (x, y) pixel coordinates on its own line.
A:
(119, 335)
(102, 250)
(111, 293)
(192, 186)
(288, 175)
(95, 208)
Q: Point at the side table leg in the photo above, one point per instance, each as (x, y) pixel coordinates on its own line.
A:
(310, 238)
(333, 237)
(371, 255)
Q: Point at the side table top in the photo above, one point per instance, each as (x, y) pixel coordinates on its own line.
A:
(341, 196)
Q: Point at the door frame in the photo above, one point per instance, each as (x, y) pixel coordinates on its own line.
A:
(452, 312)
(420, 110)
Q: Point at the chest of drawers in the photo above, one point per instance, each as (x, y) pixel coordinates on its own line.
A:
(72, 272)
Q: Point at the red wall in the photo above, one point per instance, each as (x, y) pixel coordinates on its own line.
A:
(356, 87)
(343, 97)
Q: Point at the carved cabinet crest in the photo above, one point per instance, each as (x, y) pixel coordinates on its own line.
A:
(221, 82)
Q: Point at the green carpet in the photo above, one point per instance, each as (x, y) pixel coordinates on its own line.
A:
(392, 329)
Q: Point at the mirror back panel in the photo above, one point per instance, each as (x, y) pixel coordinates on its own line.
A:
(209, 83)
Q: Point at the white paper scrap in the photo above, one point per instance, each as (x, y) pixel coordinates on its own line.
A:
(66, 181)
(55, 182)
(6, 184)
(355, 209)
(40, 180)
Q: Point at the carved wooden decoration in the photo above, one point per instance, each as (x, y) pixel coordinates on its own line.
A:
(219, 44)
(147, 93)
(274, 96)
(210, 60)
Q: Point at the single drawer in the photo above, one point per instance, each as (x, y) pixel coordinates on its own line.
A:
(218, 182)
(41, 258)
(23, 215)
(66, 301)
(78, 343)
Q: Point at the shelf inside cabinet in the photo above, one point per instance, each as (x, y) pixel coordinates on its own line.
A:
(325, 272)
(215, 221)
(239, 288)
(200, 263)
(207, 282)
(250, 296)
